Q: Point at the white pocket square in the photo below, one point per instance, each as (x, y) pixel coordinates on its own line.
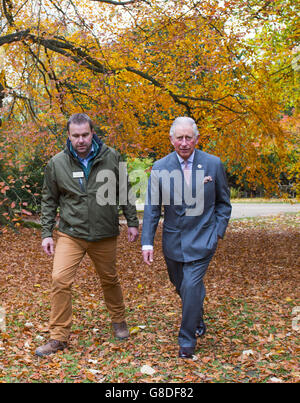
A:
(207, 179)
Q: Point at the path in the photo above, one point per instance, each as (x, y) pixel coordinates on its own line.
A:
(240, 210)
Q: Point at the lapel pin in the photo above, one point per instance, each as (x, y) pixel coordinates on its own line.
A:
(199, 166)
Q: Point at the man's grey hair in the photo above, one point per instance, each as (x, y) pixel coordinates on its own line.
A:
(184, 121)
(79, 119)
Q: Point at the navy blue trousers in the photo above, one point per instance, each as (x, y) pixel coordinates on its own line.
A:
(188, 281)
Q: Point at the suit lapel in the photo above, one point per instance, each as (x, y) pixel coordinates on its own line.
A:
(197, 164)
(173, 162)
(198, 160)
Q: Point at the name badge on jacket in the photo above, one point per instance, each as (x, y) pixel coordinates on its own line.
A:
(78, 174)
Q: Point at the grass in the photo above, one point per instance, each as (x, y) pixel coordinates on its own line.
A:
(282, 220)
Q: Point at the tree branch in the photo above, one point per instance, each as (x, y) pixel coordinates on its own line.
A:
(119, 3)
(7, 6)
(80, 57)
(43, 71)
(263, 8)
(15, 37)
(213, 101)
(159, 85)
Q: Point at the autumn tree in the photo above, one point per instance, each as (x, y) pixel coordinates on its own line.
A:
(136, 65)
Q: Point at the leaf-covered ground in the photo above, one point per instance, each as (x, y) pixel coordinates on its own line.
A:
(252, 312)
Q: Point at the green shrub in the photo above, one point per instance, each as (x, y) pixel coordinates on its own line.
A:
(235, 193)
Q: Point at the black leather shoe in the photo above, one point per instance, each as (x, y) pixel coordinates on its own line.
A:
(186, 352)
(201, 329)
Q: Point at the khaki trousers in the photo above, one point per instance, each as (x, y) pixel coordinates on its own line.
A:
(69, 252)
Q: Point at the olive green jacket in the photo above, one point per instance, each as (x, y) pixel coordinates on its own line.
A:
(73, 188)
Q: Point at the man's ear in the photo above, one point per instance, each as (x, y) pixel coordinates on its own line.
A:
(171, 139)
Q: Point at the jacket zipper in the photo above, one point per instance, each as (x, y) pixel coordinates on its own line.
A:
(81, 185)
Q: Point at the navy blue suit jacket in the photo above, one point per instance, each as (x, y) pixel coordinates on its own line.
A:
(187, 237)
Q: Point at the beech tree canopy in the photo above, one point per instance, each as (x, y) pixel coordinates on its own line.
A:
(134, 66)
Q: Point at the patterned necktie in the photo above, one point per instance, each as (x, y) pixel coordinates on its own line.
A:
(186, 172)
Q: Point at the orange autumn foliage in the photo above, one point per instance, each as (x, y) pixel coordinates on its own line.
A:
(134, 66)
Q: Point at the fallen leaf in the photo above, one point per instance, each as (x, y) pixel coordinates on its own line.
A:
(248, 352)
(134, 330)
(274, 379)
(146, 369)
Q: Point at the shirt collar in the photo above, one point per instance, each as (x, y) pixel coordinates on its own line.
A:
(189, 160)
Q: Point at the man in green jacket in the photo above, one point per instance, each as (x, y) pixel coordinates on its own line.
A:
(72, 183)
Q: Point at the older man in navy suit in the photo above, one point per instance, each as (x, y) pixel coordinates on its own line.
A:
(192, 187)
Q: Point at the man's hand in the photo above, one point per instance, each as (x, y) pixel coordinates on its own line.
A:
(48, 246)
(148, 256)
(133, 234)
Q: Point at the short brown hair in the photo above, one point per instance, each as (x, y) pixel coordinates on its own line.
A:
(79, 119)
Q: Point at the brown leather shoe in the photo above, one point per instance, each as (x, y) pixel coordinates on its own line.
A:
(120, 330)
(51, 347)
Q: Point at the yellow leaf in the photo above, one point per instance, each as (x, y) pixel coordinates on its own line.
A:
(134, 330)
